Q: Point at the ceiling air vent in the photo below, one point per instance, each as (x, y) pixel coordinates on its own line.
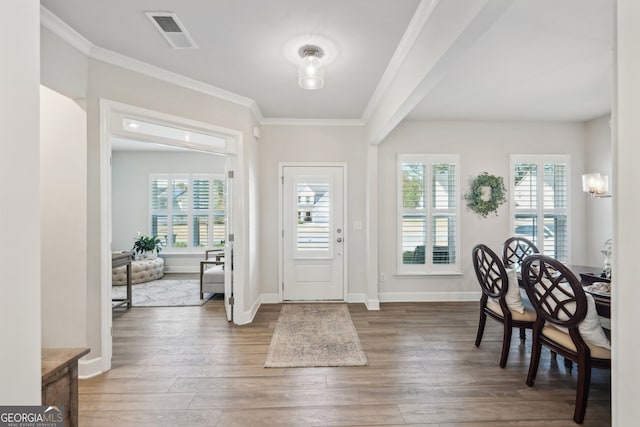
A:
(172, 29)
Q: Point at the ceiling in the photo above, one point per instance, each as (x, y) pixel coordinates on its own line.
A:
(539, 60)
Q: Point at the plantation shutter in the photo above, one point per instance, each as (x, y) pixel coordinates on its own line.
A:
(187, 212)
(218, 211)
(428, 214)
(444, 198)
(159, 207)
(201, 209)
(540, 202)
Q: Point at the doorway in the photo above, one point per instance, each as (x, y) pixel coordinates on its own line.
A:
(313, 234)
(119, 120)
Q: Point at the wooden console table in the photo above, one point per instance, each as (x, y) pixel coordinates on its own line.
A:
(60, 380)
(119, 259)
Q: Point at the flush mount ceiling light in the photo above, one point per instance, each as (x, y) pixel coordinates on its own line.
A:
(311, 70)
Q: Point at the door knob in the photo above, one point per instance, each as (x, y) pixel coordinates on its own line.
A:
(339, 239)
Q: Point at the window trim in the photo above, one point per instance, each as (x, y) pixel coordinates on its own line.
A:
(540, 160)
(190, 211)
(428, 268)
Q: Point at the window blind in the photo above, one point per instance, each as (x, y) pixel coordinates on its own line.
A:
(540, 188)
(428, 213)
(188, 211)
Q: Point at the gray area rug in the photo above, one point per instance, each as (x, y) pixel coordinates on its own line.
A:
(308, 335)
(163, 293)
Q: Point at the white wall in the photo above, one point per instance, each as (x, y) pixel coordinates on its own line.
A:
(626, 199)
(599, 211)
(63, 198)
(483, 146)
(20, 316)
(64, 68)
(312, 144)
(130, 196)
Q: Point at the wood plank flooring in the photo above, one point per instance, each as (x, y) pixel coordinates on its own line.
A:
(187, 366)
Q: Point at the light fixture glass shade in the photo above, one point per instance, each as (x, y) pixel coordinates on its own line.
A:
(595, 184)
(311, 72)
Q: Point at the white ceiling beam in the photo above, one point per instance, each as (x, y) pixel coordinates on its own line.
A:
(450, 29)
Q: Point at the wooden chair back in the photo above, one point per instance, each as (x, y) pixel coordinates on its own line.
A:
(516, 249)
(491, 274)
(554, 291)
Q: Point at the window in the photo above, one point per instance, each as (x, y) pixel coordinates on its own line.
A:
(428, 189)
(539, 202)
(187, 211)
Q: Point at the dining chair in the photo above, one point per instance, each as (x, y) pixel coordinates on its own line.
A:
(516, 249)
(500, 299)
(567, 323)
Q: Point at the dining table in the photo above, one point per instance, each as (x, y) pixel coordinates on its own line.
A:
(588, 276)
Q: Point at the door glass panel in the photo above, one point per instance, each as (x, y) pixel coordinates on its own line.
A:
(313, 208)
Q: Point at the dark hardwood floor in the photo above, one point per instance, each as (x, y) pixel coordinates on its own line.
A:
(187, 366)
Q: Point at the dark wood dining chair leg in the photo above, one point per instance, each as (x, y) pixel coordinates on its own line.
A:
(568, 365)
(481, 324)
(582, 392)
(523, 335)
(536, 348)
(506, 344)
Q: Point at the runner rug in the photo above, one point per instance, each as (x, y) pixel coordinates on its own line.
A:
(308, 335)
(163, 293)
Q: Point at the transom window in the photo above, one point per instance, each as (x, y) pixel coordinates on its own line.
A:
(428, 214)
(187, 211)
(539, 202)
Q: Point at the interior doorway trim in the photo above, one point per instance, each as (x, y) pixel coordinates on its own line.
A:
(281, 260)
(233, 147)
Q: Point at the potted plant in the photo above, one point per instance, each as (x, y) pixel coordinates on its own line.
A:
(146, 246)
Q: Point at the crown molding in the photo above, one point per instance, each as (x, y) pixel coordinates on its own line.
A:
(75, 39)
(255, 110)
(64, 31)
(138, 66)
(418, 21)
(311, 122)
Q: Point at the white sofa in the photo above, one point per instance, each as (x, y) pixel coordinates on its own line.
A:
(143, 270)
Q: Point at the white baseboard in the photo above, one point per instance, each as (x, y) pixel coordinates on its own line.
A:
(353, 297)
(269, 299)
(372, 304)
(247, 317)
(89, 368)
(429, 296)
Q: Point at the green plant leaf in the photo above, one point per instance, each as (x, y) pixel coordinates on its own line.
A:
(498, 194)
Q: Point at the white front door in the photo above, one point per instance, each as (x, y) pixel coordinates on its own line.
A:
(313, 233)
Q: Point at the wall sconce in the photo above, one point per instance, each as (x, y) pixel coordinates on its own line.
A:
(311, 71)
(595, 184)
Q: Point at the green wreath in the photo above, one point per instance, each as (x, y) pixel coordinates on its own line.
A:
(474, 198)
